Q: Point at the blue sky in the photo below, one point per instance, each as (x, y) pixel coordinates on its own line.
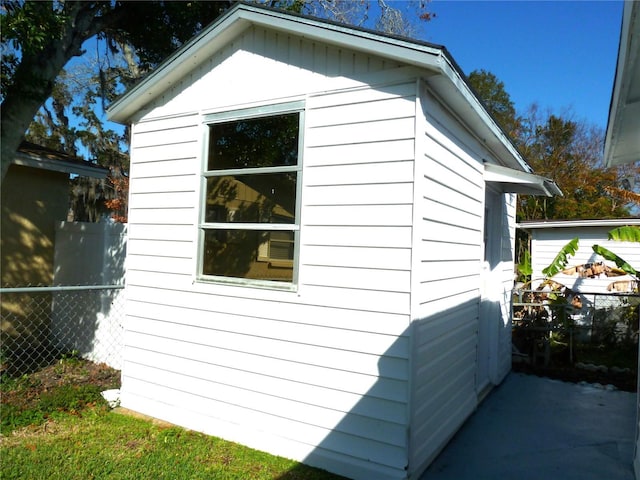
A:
(560, 54)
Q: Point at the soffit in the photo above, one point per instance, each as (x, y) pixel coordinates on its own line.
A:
(622, 144)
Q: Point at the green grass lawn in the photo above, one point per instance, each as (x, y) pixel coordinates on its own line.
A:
(98, 444)
(56, 425)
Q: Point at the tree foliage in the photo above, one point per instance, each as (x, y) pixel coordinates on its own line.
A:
(563, 149)
(569, 152)
(498, 102)
(39, 38)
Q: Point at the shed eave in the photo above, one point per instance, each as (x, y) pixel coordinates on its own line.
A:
(62, 166)
(602, 222)
(241, 17)
(622, 141)
(509, 180)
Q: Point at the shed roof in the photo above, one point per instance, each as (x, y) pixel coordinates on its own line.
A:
(599, 222)
(442, 74)
(622, 143)
(37, 156)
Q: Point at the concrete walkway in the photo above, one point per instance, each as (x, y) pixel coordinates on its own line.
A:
(542, 429)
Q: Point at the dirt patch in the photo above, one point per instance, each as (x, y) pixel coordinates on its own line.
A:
(25, 391)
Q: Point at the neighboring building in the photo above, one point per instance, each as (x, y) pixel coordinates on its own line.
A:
(35, 197)
(321, 240)
(549, 237)
(622, 144)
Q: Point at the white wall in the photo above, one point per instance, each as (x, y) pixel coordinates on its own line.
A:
(91, 322)
(319, 374)
(448, 248)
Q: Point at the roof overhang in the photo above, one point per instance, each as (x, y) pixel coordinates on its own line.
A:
(622, 143)
(442, 75)
(32, 160)
(599, 222)
(509, 180)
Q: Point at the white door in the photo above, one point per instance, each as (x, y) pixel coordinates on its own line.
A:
(489, 307)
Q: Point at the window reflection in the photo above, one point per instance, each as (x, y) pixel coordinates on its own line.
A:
(263, 200)
(260, 198)
(254, 142)
(250, 254)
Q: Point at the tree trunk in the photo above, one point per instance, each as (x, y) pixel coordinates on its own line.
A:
(35, 76)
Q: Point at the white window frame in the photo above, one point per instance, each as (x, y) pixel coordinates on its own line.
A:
(244, 114)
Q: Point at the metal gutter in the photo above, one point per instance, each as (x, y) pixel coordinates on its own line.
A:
(603, 222)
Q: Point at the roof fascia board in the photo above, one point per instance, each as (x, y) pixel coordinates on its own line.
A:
(607, 222)
(466, 108)
(516, 181)
(62, 166)
(628, 51)
(241, 17)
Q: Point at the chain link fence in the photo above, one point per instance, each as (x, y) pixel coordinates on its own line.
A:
(573, 323)
(41, 325)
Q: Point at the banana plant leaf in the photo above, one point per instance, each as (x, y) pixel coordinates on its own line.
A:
(629, 233)
(620, 262)
(562, 258)
(524, 267)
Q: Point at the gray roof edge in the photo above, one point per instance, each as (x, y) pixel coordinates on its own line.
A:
(60, 165)
(630, 25)
(244, 14)
(598, 222)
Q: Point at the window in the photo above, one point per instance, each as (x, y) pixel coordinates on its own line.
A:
(249, 219)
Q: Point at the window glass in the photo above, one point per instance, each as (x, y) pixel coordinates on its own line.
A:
(247, 254)
(255, 198)
(249, 221)
(257, 142)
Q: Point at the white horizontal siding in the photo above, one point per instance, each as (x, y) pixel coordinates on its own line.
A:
(446, 287)
(182, 233)
(207, 325)
(359, 194)
(372, 205)
(274, 402)
(165, 168)
(361, 257)
(324, 367)
(270, 304)
(186, 182)
(279, 434)
(163, 198)
(349, 154)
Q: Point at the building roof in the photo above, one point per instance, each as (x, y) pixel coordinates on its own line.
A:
(442, 74)
(599, 222)
(622, 143)
(37, 156)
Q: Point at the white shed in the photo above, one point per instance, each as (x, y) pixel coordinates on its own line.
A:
(321, 235)
(548, 238)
